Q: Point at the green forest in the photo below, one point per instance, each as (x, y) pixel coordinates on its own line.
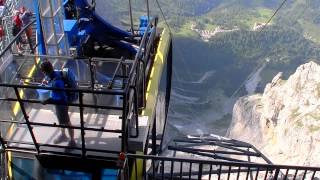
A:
(236, 54)
(207, 73)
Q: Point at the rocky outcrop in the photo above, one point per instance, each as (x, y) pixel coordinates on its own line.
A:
(284, 121)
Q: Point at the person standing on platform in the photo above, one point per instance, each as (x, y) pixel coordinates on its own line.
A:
(54, 79)
(16, 28)
(25, 16)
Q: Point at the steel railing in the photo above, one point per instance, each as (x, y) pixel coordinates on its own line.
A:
(128, 93)
(134, 75)
(10, 7)
(81, 105)
(155, 167)
(6, 53)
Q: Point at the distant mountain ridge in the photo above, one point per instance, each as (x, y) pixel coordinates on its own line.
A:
(225, 61)
(301, 15)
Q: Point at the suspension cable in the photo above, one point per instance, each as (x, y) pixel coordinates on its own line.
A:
(274, 14)
(261, 62)
(191, 112)
(164, 17)
(131, 18)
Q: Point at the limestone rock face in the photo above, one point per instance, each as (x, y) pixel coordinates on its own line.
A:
(284, 121)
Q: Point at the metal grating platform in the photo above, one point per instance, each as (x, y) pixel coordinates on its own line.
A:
(20, 136)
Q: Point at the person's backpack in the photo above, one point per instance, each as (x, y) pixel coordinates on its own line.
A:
(70, 82)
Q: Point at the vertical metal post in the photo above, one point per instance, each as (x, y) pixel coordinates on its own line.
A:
(210, 172)
(135, 107)
(180, 172)
(219, 172)
(26, 117)
(83, 142)
(248, 172)
(2, 142)
(123, 74)
(277, 174)
(136, 168)
(131, 18)
(154, 136)
(144, 172)
(6, 165)
(171, 169)
(135, 112)
(91, 73)
(266, 175)
(249, 160)
(93, 80)
(258, 169)
(144, 79)
(162, 169)
(2, 159)
(124, 122)
(148, 10)
(238, 173)
(313, 174)
(200, 171)
(190, 168)
(127, 169)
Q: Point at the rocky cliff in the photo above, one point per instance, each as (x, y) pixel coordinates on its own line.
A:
(284, 121)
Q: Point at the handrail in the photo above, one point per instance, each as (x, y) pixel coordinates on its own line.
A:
(217, 162)
(57, 103)
(108, 91)
(143, 41)
(161, 167)
(7, 22)
(81, 106)
(139, 54)
(16, 37)
(132, 81)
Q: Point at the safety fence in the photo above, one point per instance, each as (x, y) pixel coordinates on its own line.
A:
(155, 167)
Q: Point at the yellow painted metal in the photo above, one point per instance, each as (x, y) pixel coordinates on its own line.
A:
(16, 109)
(9, 165)
(156, 72)
(137, 165)
(153, 90)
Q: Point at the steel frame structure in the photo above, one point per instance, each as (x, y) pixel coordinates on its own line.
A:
(133, 84)
(221, 148)
(157, 167)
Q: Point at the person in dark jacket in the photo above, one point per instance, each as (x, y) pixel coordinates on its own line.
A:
(25, 16)
(16, 28)
(54, 79)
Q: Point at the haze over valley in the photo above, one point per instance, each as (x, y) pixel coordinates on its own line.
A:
(211, 73)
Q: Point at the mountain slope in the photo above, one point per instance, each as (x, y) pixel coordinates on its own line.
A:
(283, 122)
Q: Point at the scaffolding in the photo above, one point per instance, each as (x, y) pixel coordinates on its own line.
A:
(105, 118)
(52, 16)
